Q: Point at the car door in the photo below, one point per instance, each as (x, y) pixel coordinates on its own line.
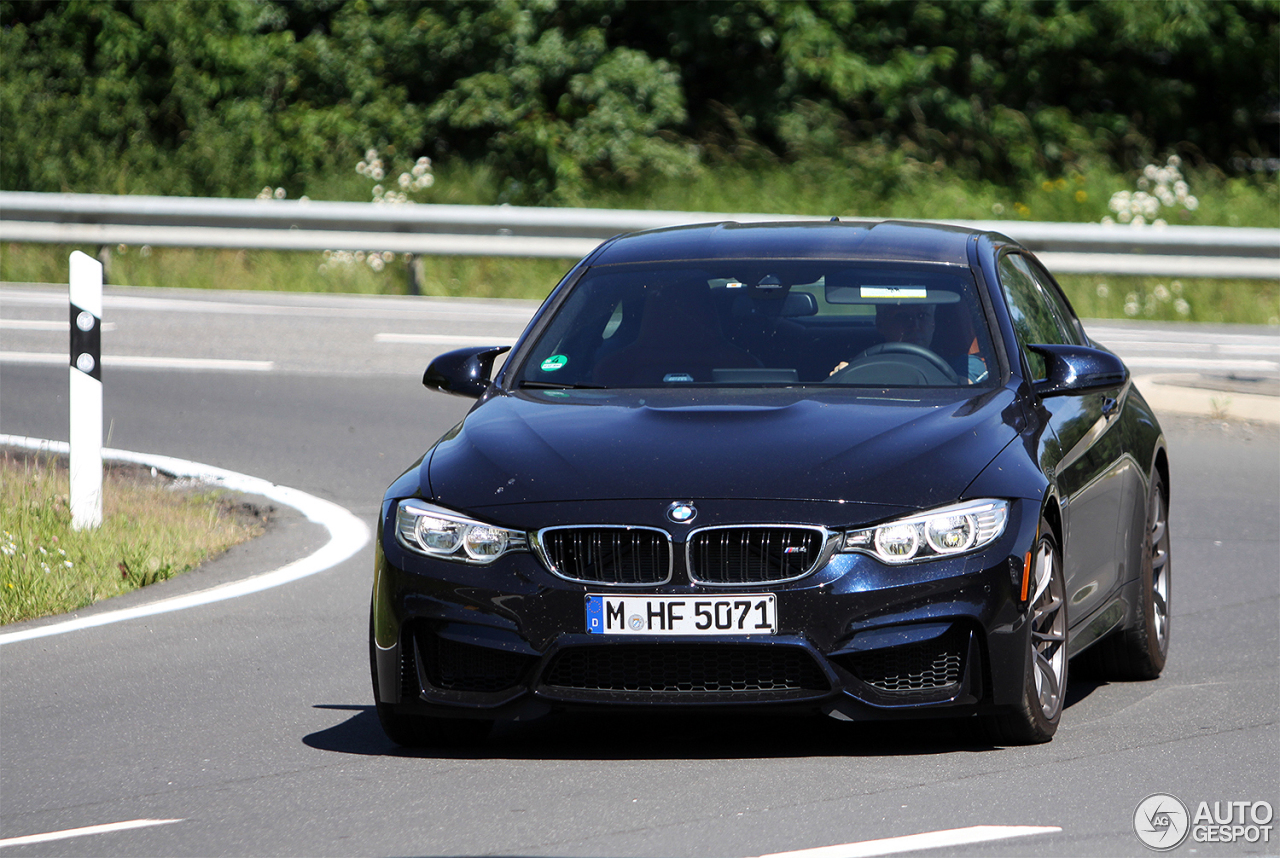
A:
(1091, 472)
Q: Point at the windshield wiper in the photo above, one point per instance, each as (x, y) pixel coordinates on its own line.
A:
(559, 385)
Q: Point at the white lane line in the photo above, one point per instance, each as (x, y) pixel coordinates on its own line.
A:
(28, 839)
(347, 535)
(1198, 348)
(443, 339)
(453, 309)
(913, 842)
(1201, 364)
(1177, 338)
(141, 362)
(43, 325)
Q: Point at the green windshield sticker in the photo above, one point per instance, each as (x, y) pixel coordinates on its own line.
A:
(554, 363)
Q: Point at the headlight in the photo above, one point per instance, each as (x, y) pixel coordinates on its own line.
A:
(942, 532)
(437, 532)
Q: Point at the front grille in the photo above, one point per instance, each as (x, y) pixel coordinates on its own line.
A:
(689, 668)
(635, 556)
(915, 667)
(454, 666)
(753, 555)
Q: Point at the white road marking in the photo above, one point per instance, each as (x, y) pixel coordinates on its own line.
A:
(1202, 364)
(1198, 348)
(144, 362)
(913, 842)
(452, 309)
(443, 339)
(347, 535)
(43, 325)
(1176, 338)
(28, 839)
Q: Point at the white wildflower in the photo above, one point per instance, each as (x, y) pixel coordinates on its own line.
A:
(1161, 293)
(280, 194)
(1182, 307)
(375, 262)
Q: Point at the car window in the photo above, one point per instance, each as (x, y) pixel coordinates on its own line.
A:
(1066, 318)
(1035, 320)
(765, 322)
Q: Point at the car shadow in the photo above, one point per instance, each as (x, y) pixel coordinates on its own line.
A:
(663, 735)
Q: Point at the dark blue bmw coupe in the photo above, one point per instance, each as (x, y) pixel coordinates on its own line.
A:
(871, 470)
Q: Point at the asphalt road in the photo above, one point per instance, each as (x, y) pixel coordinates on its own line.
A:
(251, 720)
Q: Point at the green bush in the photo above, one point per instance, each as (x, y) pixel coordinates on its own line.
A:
(564, 100)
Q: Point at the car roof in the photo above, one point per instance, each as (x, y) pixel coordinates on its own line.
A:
(901, 241)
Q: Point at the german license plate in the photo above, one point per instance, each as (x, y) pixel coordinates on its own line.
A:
(739, 614)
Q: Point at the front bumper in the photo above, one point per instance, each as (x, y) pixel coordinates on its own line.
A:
(856, 639)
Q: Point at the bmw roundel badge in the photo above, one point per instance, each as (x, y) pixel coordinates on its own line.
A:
(681, 512)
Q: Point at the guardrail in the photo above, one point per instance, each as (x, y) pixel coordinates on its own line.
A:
(570, 233)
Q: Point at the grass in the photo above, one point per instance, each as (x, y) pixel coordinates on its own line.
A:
(1094, 296)
(817, 187)
(152, 529)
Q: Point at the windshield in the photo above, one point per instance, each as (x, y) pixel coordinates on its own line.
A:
(766, 322)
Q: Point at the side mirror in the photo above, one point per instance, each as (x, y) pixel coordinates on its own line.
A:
(1078, 369)
(463, 372)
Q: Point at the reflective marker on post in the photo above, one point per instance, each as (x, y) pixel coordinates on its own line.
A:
(85, 395)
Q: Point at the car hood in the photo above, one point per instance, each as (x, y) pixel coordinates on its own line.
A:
(911, 449)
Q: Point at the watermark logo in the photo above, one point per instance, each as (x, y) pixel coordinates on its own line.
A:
(1161, 822)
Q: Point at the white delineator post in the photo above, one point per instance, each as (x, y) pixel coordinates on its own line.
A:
(85, 394)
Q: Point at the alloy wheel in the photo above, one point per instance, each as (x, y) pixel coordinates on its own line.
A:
(1048, 632)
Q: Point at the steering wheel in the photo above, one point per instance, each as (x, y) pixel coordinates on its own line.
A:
(927, 355)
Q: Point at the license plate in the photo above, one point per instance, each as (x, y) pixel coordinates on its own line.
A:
(740, 614)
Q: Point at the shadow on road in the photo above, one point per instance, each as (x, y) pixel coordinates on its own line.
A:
(658, 736)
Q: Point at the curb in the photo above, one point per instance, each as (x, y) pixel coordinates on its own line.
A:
(347, 535)
(1164, 394)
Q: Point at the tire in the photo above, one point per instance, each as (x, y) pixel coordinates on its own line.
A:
(423, 731)
(1139, 651)
(1035, 718)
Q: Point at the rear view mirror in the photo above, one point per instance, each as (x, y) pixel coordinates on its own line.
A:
(1078, 369)
(799, 304)
(463, 372)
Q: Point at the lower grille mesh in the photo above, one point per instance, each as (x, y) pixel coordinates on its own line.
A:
(915, 667)
(453, 666)
(675, 668)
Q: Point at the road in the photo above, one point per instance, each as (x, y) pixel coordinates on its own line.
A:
(250, 720)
